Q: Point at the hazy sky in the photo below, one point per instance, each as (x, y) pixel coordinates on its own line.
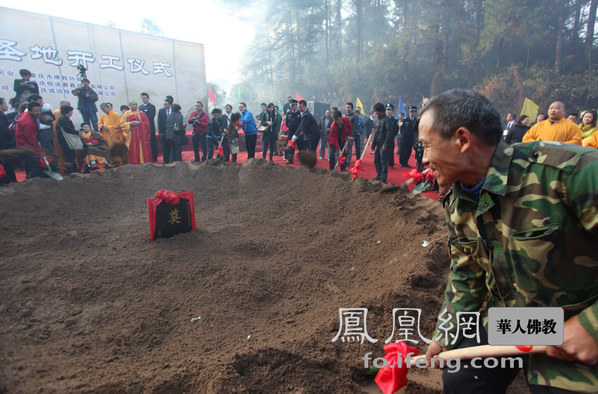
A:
(225, 29)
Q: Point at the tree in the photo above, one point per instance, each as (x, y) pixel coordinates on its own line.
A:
(149, 26)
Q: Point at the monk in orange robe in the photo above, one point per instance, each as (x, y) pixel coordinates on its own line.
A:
(136, 124)
(109, 125)
(555, 128)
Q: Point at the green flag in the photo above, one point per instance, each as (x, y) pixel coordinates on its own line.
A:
(239, 95)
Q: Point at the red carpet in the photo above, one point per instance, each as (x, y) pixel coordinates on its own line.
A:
(395, 175)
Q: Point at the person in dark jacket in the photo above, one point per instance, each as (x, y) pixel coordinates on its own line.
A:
(214, 133)
(409, 136)
(24, 87)
(65, 125)
(293, 119)
(383, 142)
(516, 132)
(175, 132)
(355, 134)
(163, 114)
(87, 103)
(308, 129)
(270, 135)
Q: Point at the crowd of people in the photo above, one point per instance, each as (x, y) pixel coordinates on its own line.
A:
(50, 141)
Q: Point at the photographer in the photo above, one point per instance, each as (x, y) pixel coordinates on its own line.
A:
(24, 87)
(87, 98)
(199, 119)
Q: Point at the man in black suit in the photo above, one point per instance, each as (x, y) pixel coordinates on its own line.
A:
(308, 129)
(150, 112)
(162, 115)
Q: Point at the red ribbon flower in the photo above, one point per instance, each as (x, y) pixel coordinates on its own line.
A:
(393, 375)
(415, 175)
(355, 169)
(220, 151)
(169, 197)
(342, 160)
(292, 145)
(2, 172)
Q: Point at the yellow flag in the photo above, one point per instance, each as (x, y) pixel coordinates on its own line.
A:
(359, 105)
(530, 109)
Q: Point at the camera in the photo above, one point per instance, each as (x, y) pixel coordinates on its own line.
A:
(82, 71)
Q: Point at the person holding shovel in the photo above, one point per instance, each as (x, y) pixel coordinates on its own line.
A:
(340, 130)
(523, 230)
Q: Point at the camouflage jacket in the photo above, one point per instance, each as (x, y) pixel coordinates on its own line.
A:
(531, 241)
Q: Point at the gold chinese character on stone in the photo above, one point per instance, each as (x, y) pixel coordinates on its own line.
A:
(174, 217)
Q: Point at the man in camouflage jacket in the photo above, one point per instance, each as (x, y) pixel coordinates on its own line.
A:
(523, 224)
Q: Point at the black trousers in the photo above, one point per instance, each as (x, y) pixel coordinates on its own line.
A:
(332, 156)
(312, 144)
(391, 156)
(165, 150)
(406, 148)
(268, 144)
(196, 140)
(250, 141)
(381, 162)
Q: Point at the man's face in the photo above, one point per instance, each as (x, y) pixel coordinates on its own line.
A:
(145, 99)
(293, 107)
(216, 115)
(106, 109)
(133, 105)
(198, 107)
(85, 128)
(85, 84)
(401, 116)
(412, 114)
(241, 108)
(338, 120)
(36, 112)
(556, 111)
(4, 106)
(302, 107)
(443, 156)
(264, 108)
(327, 114)
(228, 109)
(26, 77)
(167, 104)
(348, 109)
(509, 117)
(389, 112)
(573, 118)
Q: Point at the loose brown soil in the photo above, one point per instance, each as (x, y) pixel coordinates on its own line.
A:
(87, 303)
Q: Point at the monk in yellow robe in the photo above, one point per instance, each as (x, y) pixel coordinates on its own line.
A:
(555, 128)
(109, 125)
(136, 124)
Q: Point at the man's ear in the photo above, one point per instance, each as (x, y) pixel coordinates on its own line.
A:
(463, 139)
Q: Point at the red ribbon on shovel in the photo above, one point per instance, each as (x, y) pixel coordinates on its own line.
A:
(393, 375)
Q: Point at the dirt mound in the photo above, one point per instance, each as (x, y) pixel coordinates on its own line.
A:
(89, 304)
